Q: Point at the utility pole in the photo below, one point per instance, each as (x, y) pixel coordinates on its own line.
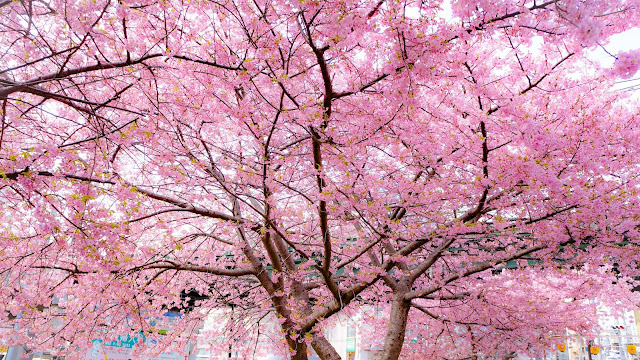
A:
(15, 352)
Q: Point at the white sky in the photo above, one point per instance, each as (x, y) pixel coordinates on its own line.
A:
(626, 41)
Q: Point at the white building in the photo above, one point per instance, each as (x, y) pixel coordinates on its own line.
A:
(618, 340)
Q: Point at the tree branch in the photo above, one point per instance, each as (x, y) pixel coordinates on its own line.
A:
(188, 207)
(470, 271)
(203, 269)
(24, 86)
(14, 176)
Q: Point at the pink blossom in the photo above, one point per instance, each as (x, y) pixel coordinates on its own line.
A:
(627, 64)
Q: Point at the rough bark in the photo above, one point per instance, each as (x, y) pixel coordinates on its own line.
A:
(300, 348)
(323, 348)
(397, 326)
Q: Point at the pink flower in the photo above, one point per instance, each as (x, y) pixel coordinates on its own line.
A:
(627, 64)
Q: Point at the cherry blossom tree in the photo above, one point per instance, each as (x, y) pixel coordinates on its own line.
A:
(301, 159)
(517, 312)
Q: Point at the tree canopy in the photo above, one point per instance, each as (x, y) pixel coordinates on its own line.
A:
(458, 164)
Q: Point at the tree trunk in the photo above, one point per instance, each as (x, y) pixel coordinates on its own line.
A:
(397, 326)
(299, 347)
(323, 348)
